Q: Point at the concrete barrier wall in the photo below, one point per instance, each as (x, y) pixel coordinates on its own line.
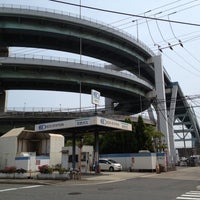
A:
(138, 161)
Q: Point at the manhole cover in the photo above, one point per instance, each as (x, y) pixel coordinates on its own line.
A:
(74, 193)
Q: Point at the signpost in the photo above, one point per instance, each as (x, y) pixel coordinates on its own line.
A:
(95, 98)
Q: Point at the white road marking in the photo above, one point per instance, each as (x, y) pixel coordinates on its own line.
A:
(192, 195)
(9, 189)
(20, 188)
(32, 186)
(188, 198)
(193, 192)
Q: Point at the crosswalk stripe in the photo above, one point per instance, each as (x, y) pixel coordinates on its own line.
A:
(188, 198)
(191, 195)
(197, 193)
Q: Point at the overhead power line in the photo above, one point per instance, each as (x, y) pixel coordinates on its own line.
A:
(145, 12)
(186, 69)
(127, 14)
(162, 12)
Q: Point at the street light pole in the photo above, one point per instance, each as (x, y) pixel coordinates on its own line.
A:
(24, 106)
(80, 9)
(80, 37)
(80, 95)
(137, 31)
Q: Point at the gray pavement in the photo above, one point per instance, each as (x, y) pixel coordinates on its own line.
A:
(184, 173)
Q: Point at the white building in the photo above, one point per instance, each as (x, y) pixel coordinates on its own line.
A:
(85, 153)
(28, 149)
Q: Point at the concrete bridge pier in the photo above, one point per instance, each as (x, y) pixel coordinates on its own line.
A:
(161, 108)
(171, 116)
(3, 101)
(4, 52)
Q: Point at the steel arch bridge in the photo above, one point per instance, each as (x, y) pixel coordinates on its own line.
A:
(40, 28)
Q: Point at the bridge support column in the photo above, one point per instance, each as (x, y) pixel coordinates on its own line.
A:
(73, 152)
(161, 107)
(171, 121)
(96, 154)
(108, 103)
(4, 51)
(151, 116)
(3, 101)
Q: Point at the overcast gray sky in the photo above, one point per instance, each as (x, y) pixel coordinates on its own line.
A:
(182, 63)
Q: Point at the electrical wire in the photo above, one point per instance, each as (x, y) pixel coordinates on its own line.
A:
(142, 14)
(181, 5)
(192, 55)
(163, 36)
(180, 42)
(155, 44)
(167, 11)
(186, 61)
(186, 69)
(127, 14)
(173, 2)
(197, 37)
(169, 44)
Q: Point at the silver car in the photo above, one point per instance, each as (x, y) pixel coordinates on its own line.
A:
(109, 165)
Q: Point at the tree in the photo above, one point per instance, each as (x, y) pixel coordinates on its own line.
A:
(141, 136)
(155, 139)
(119, 142)
(88, 139)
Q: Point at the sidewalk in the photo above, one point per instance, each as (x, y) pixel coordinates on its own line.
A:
(90, 178)
(185, 173)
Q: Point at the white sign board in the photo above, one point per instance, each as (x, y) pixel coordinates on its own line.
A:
(83, 122)
(95, 97)
(65, 124)
(114, 124)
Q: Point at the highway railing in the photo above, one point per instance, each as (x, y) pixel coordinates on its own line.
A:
(64, 13)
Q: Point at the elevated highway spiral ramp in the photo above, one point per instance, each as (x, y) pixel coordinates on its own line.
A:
(125, 93)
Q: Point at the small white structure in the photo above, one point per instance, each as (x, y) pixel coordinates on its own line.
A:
(26, 160)
(144, 161)
(28, 149)
(65, 158)
(86, 161)
(139, 161)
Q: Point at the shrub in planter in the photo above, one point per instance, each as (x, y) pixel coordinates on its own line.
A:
(60, 169)
(45, 169)
(21, 171)
(10, 170)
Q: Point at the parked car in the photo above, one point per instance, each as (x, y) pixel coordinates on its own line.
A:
(183, 161)
(109, 165)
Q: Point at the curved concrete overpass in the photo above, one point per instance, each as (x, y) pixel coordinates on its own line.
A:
(35, 28)
(40, 74)
(41, 29)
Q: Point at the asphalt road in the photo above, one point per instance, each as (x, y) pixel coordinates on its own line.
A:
(181, 184)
